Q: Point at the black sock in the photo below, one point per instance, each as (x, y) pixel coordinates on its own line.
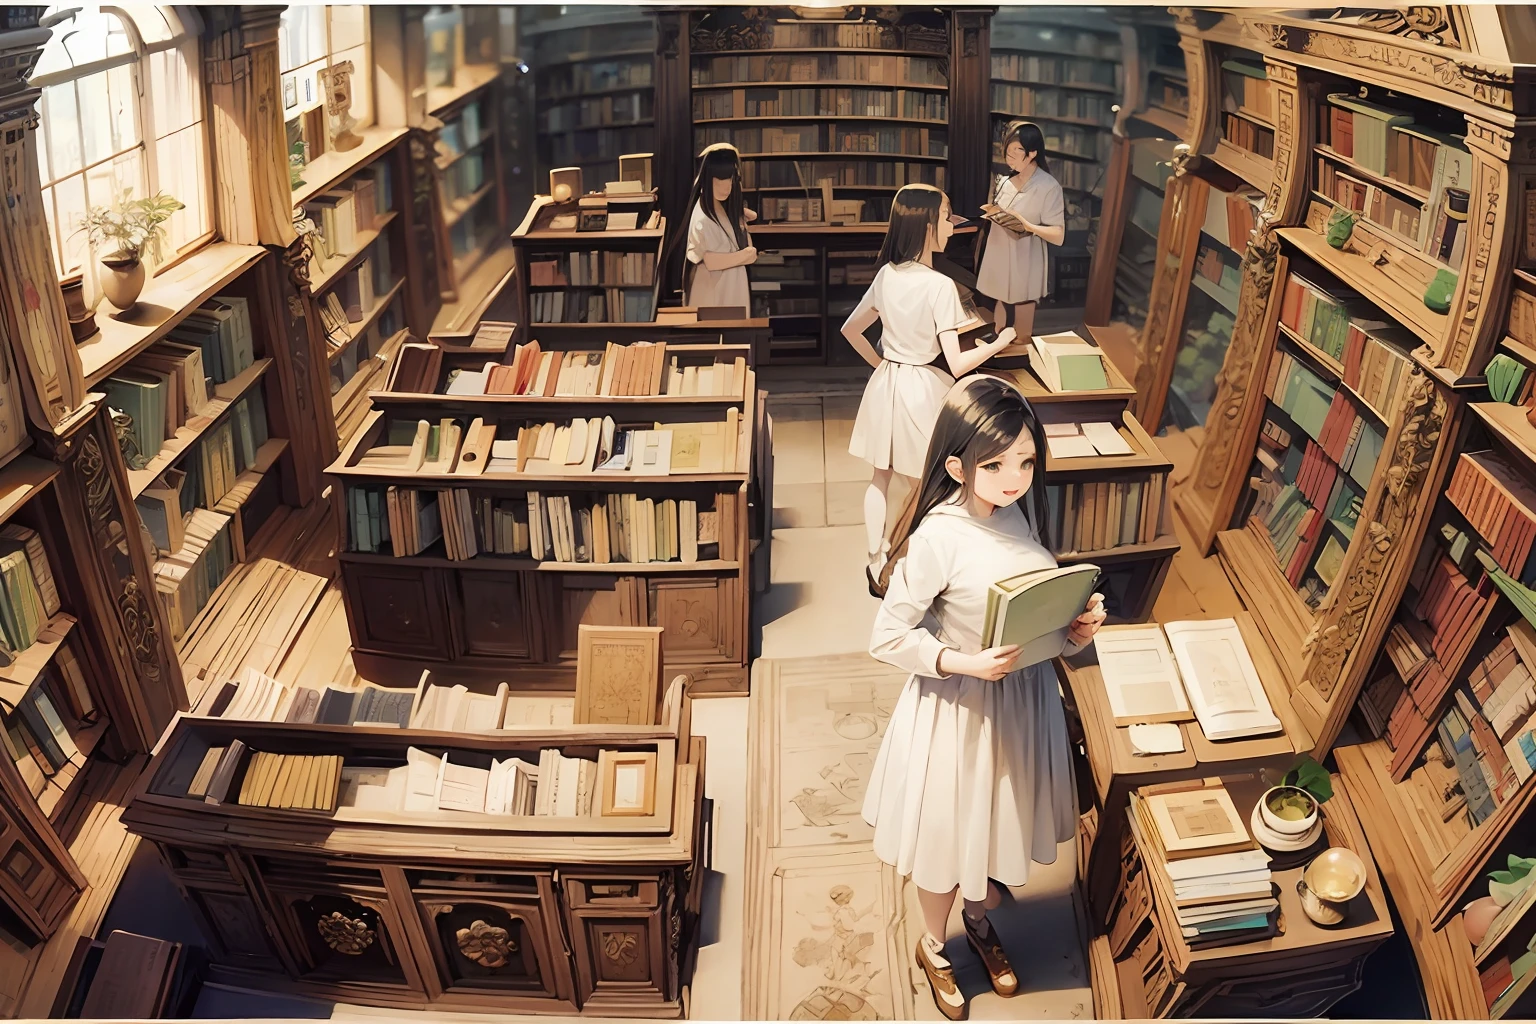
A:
(1008, 314)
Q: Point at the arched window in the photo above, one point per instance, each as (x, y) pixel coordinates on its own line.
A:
(122, 110)
(311, 39)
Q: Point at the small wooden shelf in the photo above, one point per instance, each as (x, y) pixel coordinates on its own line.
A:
(19, 676)
(468, 80)
(361, 328)
(1372, 282)
(1417, 194)
(507, 563)
(167, 300)
(335, 166)
(331, 270)
(225, 396)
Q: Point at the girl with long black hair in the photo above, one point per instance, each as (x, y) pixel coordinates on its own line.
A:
(973, 781)
(1014, 268)
(919, 310)
(718, 250)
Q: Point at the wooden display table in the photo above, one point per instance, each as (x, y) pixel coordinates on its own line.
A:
(1117, 771)
(1299, 972)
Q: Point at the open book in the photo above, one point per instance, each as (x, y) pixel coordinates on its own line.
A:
(1065, 362)
(1004, 218)
(1036, 609)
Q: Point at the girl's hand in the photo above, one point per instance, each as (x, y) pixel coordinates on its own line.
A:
(749, 255)
(750, 215)
(992, 663)
(1087, 624)
(1007, 336)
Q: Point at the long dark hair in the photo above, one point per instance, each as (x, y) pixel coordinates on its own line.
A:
(720, 160)
(1030, 138)
(914, 213)
(981, 418)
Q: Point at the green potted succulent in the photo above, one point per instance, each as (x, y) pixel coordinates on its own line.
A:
(1290, 806)
(125, 233)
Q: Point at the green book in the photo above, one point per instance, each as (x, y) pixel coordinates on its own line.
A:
(1036, 609)
(1082, 373)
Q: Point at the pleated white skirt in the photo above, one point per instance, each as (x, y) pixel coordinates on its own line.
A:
(896, 416)
(973, 781)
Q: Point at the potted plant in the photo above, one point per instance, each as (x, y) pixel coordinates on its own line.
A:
(1290, 807)
(127, 232)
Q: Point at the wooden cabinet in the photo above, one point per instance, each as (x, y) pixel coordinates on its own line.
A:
(621, 929)
(396, 609)
(493, 612)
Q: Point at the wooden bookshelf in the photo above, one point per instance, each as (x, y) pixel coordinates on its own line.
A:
(514, 614)
(300, 869)
(472, 203)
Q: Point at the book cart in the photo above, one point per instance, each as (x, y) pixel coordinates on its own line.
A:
(1348, 423)
(307, 886)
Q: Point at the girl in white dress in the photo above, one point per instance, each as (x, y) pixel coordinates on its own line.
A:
(718, 250)
(974, 780)
(918, 309)
(1013, 265)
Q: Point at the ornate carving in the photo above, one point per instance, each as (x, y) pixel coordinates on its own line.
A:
(423, 194)
(1333, 637)
(1183, 15)
(1155, 330)
(346, 935)
(1475, 283)
(747, 33)
(1426, 24)
(485, 944)
(1487, 84)
(621, 949)
(1196, 118)
(127, 443)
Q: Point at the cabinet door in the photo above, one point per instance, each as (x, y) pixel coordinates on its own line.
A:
(492, 614)
(694, 614)
(621, 938)
(239, 935)
(37, 890)
(494, 944)
(346, 937)
(397, 610)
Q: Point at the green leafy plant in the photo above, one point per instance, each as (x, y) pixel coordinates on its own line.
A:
(1292, 805)
(130, 228)
(1305, 774)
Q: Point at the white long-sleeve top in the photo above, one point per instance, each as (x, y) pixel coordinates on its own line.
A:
(937, 596)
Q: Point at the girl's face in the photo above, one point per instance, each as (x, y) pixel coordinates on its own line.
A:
(1003, 479)
(721, 187)
(1017, 160)
(940, 234)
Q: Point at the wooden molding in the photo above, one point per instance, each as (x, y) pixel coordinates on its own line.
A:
(1178, 236)
(1477, 309)
(1099, 305)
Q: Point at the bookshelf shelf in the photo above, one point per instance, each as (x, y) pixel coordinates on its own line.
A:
(266, 457)
(391, 398)
(1170, 121)
(1508, 423)
(1375, 283)
(459, 207)
(332, 270)
(225, 397)
(1081, 121)
(21, 480)
(598, 58)
(821, 83)
(1164, 545)
(1057, 53)
(468, 80)
(1073, 86)
(360, 329)
(819, 117)
(1250, 167)
(583, 481)
(644, 122)
(478, 290)
(167, 300)
(334, 166)
(778, 50)
(447, 161)
(555, 99)
(515, 564)
(19, 676)
(1418, 194)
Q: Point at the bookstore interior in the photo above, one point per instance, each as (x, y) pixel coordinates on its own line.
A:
(1207, 353)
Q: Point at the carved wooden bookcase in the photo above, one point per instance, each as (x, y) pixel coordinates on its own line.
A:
(1326, 655)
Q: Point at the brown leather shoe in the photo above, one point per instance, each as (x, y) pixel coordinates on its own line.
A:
(1004, 981)
(941, 981)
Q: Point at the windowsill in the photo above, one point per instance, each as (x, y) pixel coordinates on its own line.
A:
(165, 302)
(334, 166)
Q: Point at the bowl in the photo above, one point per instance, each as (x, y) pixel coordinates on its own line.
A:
(1336, 875)
(1278, 842)
(1291, 826)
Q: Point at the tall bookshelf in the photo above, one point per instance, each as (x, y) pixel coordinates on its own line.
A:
(468, 165)
(592, 68)
(1061, 67)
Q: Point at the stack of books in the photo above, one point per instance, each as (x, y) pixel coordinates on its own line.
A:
(306, 782)
(187, 579)
(1193, 834)
(37, 732)
(457, 709)
(638, 369)
(221, 329)
(29, 597)
(1500, 506)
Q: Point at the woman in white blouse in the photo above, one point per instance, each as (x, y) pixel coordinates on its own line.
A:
(919, 310)
(719, 250)
(973, 781)
(1013, 265)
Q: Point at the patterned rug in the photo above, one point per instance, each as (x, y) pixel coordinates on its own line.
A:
(825, 921)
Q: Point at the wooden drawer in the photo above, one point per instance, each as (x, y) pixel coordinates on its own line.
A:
(397, 610)
(606, 893)
(625, 950)
(696, 615)
(491, 611)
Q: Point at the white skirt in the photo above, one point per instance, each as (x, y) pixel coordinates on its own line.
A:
(973, 781)
(896, 416)
(1013, 270)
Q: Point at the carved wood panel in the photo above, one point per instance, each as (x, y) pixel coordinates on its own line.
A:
(1177, 236)
(692, 613)
(396, 610)
(492, 614)
(1476, 319)
(492, 944)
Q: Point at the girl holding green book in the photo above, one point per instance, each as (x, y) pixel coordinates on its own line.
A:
(973, 782)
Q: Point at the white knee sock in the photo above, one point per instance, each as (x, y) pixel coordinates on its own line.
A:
(874, 523)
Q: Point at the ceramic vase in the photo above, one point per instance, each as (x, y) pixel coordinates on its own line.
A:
(1282, 825)
(123, 281)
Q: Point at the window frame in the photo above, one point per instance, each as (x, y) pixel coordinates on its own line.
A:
(362, 69)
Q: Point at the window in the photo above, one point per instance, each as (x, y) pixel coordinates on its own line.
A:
(309, 40)
(122, 110)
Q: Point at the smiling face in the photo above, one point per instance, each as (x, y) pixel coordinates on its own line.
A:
(1002, 479)
(721, 187)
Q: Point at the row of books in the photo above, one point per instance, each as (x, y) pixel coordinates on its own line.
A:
(1194, 836)
(576, 448)
(1501, 506)
(1037, 101)
(778, 173)
(464, 131)
(465, 176)
(186, 579)
(614, 528)
(861, 35)
(638, 369)
(212, 466)
(597, 112)
(1230, 216)
(344, 364)
(568, 80)
(594, 268)
(29, 596)
(794, 139)
(1099, 515)
(1170, 95)
(350, 303)
(1327, 414)
(1247, 135)
(346, 212)
(257, 697)
(834, 101)
(38, 731)
(587, 147)
(306, 782)
(591, 306)
(1056, 39)
(1036, 68)
(1246, 89)
(825, 67)
(1385, 141)
(779, 306)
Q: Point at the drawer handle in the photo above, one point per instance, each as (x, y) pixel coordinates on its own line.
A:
(620, 891)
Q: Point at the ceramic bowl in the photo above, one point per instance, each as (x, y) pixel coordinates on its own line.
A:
(1282, 825)
(1336, 875)
(1278, 842)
